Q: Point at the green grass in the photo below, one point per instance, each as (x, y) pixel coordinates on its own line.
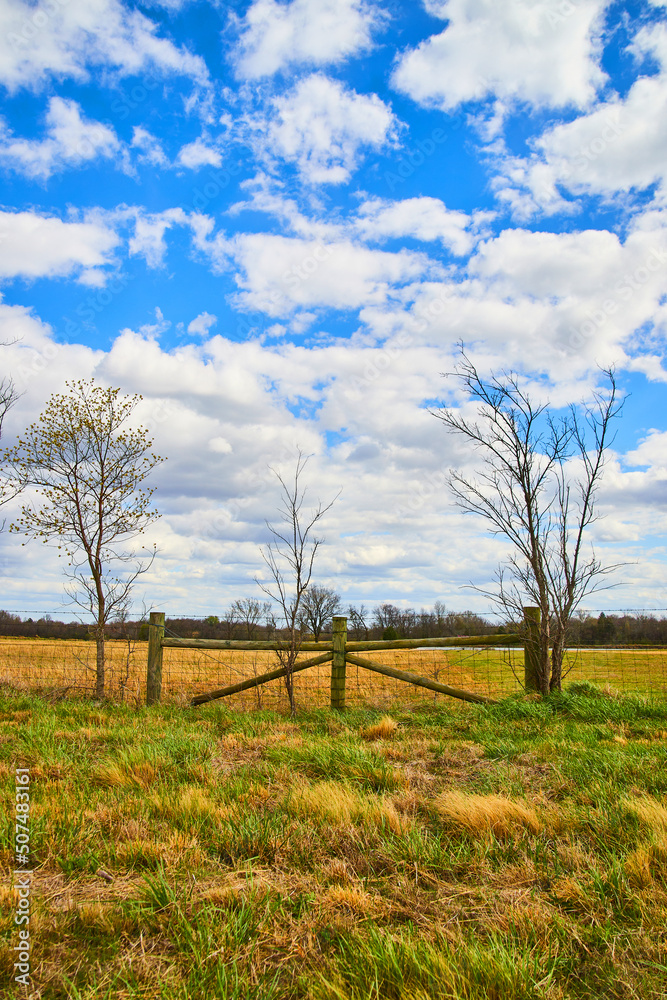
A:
(512, 852)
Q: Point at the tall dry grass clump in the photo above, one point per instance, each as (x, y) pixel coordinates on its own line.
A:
(111, 774)
(483, 814)
(382, 730)
(651, 813)
(649, 858)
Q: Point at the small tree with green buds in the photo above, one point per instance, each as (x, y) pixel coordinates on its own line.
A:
(87, 467)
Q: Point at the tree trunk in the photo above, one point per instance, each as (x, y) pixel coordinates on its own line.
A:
(545, 665)
(557, 652)
(99, 676)
(289, 682)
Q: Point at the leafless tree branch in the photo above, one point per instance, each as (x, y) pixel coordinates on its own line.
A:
(538, 488)
(290, 558)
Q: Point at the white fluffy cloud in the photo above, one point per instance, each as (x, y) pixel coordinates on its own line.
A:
(64, 39)
(304, 32)
(201, 324)
(322, 126)
(36, 246)
(651, 452)
(71, 140)
(224, 412)
(192, 156)
(538, 51)
(557, 303)
(426, 219)
(198, 154)
(148, 240)
(620, 146)
(278, 275)
(562, 302)
(574, 300)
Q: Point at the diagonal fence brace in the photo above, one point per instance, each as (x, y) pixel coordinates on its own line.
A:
(200, 699)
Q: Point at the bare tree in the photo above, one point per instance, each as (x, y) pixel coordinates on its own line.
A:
(318, 607)
(290, 557)
(396, 622)
(88, 467)
(250, 613)
(358, 618)
(8, 396)
(538, 489)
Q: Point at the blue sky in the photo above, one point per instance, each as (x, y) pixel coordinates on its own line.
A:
(277, 220)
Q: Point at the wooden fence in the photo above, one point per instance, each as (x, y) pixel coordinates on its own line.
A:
(339, 651)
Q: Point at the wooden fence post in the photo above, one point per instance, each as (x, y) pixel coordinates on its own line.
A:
(154, 671)
(531, 649)
(339, 638)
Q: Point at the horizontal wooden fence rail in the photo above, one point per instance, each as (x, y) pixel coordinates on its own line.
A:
(340, 652)
(307, 647)
(502, 639)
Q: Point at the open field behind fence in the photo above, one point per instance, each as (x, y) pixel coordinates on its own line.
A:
(68, 667)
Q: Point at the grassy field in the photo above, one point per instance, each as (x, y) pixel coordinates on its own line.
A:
(509, 852)
(31, 664)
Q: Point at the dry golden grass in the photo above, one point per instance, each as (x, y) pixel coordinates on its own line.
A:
(63, 664)
(571, 892)
(330, 802)
(381, 730)
(141, 774)
(354, 899)
(327, 800)
(651, 813)
(637, 867)
(482, 814)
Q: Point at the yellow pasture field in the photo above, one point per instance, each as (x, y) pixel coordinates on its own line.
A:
(55, 663)
(60, 663)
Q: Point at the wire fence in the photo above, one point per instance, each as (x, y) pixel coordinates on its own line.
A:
(66, 668)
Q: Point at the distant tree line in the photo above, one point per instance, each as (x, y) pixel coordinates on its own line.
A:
(247, 618)
(618, 629)
(50, 628)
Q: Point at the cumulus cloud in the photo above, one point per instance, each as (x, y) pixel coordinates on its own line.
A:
(562, 302)
(198, 154)
(150, 228)
(651, 452)
(278, 274)
(620, 146)
(557, 303)
(66, 40)
(34, 245)
(38, 246)
(426, 219)
(576, 298)
(322, 127)
(527, 50)
(201, 324)
(376, 220)
(224, 412)
(39, 365)
(71, 140)
(276, 35)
